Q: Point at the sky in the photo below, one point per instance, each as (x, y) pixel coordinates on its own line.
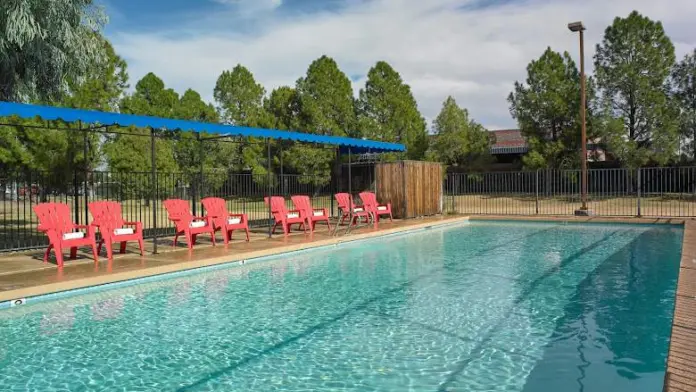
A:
(473, 50)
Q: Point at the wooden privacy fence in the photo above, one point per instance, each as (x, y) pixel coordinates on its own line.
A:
(414, 188)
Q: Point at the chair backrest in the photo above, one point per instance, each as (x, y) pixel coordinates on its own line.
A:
(369, 200)
(345, 201)
(302, 203)
(54, 216)
(179, 211)
(106, 214)
(214, 207)
(278, 209)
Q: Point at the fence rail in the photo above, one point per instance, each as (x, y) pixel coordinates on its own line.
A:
(653, 192)
(142, 199)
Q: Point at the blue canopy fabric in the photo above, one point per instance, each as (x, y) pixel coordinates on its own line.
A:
(28, 111)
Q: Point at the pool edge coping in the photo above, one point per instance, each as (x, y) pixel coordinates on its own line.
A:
(680, 367)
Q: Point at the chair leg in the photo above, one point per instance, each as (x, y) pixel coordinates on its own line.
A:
(123, 247)
(212, 237)
(109, 251)
(48, 253)
(193, 239)
(140, 244)
(189, 241)
(99, 246)
(286, 229)
(95, 254)
(73, 252)
(226, 235)
(247, 233)
(176, 237)
(328, 222)
(59, 257)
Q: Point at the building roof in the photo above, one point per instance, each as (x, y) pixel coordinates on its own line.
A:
(508, 141)
(27, 111)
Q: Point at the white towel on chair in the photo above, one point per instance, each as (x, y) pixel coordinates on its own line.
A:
(234, 221)
(359, 209)
(197, 224)
(381, 208)
(123, 231)
(293, 215)
(318, 213)
(73, 236)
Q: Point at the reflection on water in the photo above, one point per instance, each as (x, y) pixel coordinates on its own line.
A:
(58, 320)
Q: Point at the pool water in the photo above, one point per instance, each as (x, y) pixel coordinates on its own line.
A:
(478, 307)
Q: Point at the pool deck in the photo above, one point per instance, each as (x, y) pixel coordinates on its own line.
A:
(24, 274)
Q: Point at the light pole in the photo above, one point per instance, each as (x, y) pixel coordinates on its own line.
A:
(578, 27)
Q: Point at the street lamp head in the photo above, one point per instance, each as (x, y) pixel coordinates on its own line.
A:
(576, 26)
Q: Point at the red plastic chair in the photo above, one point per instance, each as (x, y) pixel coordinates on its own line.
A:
(106, 215)
(222, 220)
(187, 224)
(313, 215)
(376, 209)
(54, 220)
(283, 217)
(345, 205)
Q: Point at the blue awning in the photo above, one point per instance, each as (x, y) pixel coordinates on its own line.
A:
(27, 111)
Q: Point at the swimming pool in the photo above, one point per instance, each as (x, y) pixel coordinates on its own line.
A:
(479, 306)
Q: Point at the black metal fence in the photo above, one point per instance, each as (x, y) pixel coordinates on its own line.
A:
(141, 199)
(654, 192)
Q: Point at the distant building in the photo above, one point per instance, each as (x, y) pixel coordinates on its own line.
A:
(510, 146)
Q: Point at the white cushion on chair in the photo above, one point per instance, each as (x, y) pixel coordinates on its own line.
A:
(196, 224)
(318, 213)
(293, 215)
(382, 208)
(359, 209)
(123, 231)
(234, 221)
(73, 236)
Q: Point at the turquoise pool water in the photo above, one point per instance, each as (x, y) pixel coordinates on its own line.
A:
(478, 307)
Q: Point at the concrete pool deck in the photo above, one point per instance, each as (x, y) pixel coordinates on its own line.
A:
(24, 274)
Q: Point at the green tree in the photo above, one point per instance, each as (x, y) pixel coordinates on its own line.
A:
(283, 108)
(459, 140)
(388, 112)
(632, 66)
(130, 150)
(547, 108)
(240, 102)
(326, 107)
(43, 44)
(684, 89)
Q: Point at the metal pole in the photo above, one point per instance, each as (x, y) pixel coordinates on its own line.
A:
(197, 180)
(282, 179)
(270, 215)
(583, 133)
(86, 169)
(153, 172)
(638, 190)
(537, 191)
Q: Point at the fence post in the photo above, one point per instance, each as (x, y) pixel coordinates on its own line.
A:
(536, 190)
(153, 173)
(76, 198)
(638, 191)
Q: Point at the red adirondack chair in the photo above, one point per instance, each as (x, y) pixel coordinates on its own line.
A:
(283, 217)
(345, 205)
(187, 224)
(222, 220)
(54, 220)
(106, 215)
(313, 215)
(376, 209)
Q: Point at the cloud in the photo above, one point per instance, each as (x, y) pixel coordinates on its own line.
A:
(472, 50)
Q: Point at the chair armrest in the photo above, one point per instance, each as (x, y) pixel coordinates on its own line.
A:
(81, 226)
(243, 216)
(138, 225)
